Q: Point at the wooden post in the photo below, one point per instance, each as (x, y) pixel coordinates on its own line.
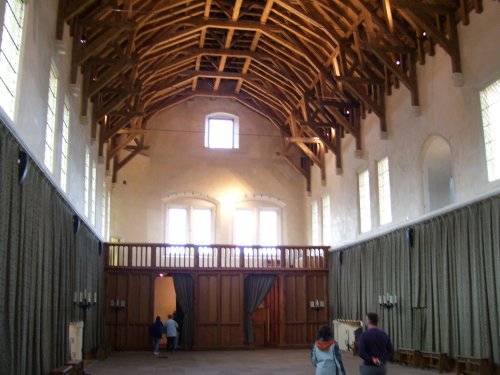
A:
(129, 255)
(196, 257)
(105, 248)
(242, 256)
(153, 255)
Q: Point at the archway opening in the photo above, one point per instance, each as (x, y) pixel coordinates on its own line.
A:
(437, 171)
(165, 302)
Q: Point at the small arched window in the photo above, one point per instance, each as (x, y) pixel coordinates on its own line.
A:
(221, 131)
(437, 171)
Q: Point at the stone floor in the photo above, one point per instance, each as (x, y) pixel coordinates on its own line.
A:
(258, 362)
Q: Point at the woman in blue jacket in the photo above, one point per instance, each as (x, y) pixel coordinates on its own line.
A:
(156, 332)
(325, 354)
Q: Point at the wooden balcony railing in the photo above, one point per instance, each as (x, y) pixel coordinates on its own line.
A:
(135, 255)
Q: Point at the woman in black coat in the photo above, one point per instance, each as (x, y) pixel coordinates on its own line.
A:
(156, 332)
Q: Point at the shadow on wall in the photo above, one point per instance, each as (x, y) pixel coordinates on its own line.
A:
(437, 174)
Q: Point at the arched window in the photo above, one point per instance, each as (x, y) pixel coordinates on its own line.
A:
(11, 36)
(222, 131)
(257, 223)
(365, 221)
(189, 220)
(490, 109)
(437, 172)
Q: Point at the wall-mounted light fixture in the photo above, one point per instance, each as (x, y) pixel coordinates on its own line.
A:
(317, 304)
(117, 305)
(388, 300)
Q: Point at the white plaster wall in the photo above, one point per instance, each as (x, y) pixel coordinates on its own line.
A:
(449, 111)
(178, 162)
(37, 55)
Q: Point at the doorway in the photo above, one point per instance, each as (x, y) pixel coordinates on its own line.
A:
(164, 300)
(265, 320)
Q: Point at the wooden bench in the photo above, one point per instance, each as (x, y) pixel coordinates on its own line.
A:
(409, 357)
(104, 351)
(473, 365)
(67, 369)
(438, 361)
(77, 367)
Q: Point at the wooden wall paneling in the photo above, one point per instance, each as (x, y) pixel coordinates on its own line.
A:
(274, 314)
(300, 323)
(219, 308)
(208, 299)
(139, 311)
(295, 294)
(133, 298)
(121, 294)
(322, 287)
(110, 280)
(299, 320)
(196, 304)
(116, 289)
(317, 285)
(289, 310)
(132, 310)
(230, 329)
(147, 309)
(207, 327)
(225, 299)
(282, 310)
(312, 315)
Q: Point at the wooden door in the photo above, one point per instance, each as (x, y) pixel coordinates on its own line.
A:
(272, 304)
(260, 325)
(265, 320)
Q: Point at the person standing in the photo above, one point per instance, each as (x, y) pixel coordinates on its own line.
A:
(375, 348)
(171, 327)
(156, 332)
(325, 355)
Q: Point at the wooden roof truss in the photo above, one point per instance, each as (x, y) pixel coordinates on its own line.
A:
(313, 68)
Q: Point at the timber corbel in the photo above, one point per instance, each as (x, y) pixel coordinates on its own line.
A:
(68, 10)
(398, 70)
(414, 14)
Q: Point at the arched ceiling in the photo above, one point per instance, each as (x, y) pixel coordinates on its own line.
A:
(314, 68)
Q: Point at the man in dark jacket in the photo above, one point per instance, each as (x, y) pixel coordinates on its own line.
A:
(375, 348)
(156, 332)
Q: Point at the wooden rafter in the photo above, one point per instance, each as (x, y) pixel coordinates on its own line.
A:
(313, 68)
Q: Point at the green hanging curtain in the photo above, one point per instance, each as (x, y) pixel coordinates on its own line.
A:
(9, 200)
(447, 283)
(184, 290)
(42, 263)
(256, 289)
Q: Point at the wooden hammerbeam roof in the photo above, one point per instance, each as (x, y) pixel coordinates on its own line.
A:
(314, 68)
